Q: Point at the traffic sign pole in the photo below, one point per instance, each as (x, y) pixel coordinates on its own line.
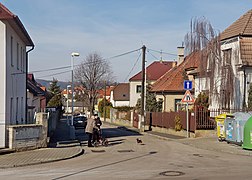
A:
(187, 121)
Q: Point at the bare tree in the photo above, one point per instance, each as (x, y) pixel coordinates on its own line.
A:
(92, 73)
(204, 40)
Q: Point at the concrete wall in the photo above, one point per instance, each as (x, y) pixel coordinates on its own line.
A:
(29, 136)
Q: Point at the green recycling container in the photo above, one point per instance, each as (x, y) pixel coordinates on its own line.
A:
(247, 136)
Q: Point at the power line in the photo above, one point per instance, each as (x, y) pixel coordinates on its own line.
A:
(52, 69)
(152, 55)
(162, 52)
(133, 67)
(54, 74)
(87, 63)
(123, 54)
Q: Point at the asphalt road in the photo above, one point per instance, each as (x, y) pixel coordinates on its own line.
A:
(124, 158)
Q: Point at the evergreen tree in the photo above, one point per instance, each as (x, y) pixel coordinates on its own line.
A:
(250, 97)
(55, 93)
(152, 105)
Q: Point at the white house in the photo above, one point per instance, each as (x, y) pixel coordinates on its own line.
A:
(120, 95)
(14, 41)
(153, 72)
(233, 74)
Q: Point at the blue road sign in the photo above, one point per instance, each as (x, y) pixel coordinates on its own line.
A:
(187, 85)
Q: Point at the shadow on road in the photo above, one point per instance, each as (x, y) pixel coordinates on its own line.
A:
(61, 136)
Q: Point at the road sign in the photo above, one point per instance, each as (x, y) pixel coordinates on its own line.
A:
(187, 85)
(187, 97)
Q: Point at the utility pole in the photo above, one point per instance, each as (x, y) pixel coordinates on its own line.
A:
(104, 106)
(143, 86)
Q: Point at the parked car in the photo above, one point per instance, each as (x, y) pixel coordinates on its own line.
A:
(80, 122)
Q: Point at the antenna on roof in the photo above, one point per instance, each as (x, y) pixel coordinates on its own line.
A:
(161, 58)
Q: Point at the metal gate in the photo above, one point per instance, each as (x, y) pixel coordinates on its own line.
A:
(135, 119)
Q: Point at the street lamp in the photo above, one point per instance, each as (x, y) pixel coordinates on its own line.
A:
(74, 54)
(72, 130)
(68, 86)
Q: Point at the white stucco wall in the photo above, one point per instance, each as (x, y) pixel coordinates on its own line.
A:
(2, 86)
(134, 96)
(121, 103)
(15, 78)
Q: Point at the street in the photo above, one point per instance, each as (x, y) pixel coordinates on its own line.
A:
(124, 158)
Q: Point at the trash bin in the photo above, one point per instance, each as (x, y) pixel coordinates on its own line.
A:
(220, 119)
(247, 137)
(229, 129)
(240, 120)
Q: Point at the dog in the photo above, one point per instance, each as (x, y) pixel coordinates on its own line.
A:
(139, 141)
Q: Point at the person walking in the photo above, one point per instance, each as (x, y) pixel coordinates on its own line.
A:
(90, 130)
(96, 133)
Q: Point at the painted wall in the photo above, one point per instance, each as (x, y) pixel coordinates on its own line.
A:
(3, 84)
(12, 78)
(16, 77)
(134, 96)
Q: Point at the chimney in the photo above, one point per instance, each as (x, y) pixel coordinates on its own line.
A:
(174, 63)
(180, 54)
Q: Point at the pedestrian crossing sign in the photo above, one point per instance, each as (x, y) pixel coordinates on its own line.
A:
(188, 97)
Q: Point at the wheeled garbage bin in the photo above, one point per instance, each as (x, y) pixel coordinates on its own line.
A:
(240, 120)
(220, 119)
(247, 136)
(229, 129)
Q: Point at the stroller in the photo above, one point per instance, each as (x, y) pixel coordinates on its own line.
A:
(99, 140)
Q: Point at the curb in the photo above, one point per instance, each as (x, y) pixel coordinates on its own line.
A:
(81, 151)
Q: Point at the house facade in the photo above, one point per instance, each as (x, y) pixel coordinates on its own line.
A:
(153, 72)
(14, 41)
(120, 95)
(36, 98)
(169, 88)
(231, 76)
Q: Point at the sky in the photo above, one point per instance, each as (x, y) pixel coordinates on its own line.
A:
(113, 27)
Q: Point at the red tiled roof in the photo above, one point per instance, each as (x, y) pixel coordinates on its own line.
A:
(246, 51)
(241, 27)
(154, 70)
(108, 90)
(14, 21)
(172, 81)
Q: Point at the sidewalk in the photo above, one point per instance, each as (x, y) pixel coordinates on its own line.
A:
(207, 143)
(60, 148)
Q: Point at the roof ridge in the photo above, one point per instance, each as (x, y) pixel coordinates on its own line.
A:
(246, 24)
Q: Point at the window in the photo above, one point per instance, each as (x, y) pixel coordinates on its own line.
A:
(21, 60)
(22, 106)
(17, 111)
(11, 51)
(138, 88)
(176, 104)
(11, 109)
(24, 61)
(17, 56)
(227, 56)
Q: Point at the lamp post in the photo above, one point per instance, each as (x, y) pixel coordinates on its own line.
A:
(72, 130)
(68, 86)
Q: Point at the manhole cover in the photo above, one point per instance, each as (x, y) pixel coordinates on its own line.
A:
(171, 173)
(98, 151)
(126, 150)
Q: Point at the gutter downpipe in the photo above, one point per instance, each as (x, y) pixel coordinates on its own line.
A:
(244, 88)
(26, 84)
